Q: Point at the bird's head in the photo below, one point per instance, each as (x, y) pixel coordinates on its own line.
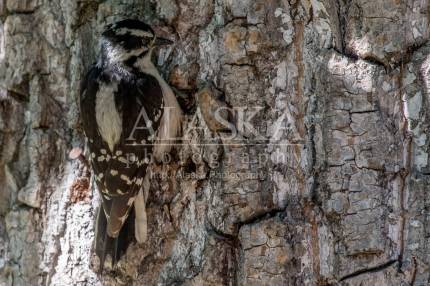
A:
(129, 38)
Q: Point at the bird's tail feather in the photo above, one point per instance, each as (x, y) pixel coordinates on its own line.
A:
(141, 222)
(109, 246)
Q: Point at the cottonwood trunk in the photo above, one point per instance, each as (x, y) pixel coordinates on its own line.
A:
(339, 197)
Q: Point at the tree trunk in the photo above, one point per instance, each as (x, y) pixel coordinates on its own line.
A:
(337, 197)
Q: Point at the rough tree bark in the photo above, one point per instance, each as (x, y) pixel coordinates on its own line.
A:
(341, 198)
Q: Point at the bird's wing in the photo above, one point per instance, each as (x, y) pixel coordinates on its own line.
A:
(141, 103)
(119, 173)
(116, 210)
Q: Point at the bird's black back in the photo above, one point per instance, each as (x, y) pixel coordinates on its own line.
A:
(134, 92)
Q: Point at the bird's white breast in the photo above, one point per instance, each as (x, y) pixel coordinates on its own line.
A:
(108, 119)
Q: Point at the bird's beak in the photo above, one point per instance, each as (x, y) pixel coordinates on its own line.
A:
(162, 41)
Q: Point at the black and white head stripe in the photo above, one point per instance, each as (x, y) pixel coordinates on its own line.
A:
(131, 24)
(129, 34)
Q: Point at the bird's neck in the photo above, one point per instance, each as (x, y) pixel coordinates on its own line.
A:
(144, 64)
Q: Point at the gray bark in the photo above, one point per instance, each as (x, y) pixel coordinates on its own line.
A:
(341, 199)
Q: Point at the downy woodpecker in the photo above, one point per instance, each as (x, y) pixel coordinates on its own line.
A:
(129, 115)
